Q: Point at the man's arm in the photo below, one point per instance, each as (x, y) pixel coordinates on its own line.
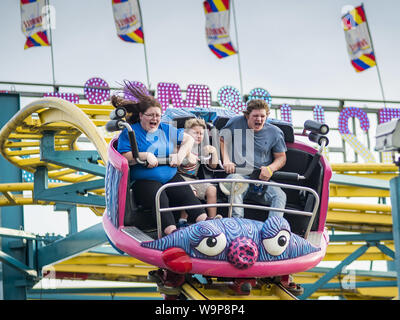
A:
(267, 171)
(211, 150)
(228, 165)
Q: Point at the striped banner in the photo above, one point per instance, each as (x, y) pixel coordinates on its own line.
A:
(217, 28)
(364, 62)
(33, 23)
(358, 41)
(128, 20)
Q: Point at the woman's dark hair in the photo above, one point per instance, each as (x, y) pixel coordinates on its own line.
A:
(144, 101)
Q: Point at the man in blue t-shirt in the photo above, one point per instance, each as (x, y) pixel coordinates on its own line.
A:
(248, 143)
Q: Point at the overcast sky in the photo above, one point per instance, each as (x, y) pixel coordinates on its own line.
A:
(287, 47)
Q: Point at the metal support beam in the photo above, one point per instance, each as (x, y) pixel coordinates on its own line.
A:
(12, 233)
(96, 290)
(348, 180)
(72, 216)
(377, 236)
(76, 193)
(359, 284)
(85, 161)
(71, 245)
(386, 250)
(308, 291)
(50, 296)
(14, 263)
(72, 194)
(395, 201)
(363, 273)
(122, 293)
(11, 217)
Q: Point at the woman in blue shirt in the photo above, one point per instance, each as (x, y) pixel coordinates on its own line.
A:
(156, 139)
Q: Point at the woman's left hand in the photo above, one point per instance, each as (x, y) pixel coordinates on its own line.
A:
(174, 160)
(151, 160)
(209, 149)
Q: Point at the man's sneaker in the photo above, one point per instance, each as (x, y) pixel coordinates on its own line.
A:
(218, 216)
(182, 223)
(240, 187)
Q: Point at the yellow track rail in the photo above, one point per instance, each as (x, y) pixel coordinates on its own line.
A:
(20, 194)
(20, 143)
(221, 291)
(359, 217)
(125, 268)
(382, 171)
(20, 137)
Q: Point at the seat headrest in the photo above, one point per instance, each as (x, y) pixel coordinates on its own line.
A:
(286, 127)
(220, 122)
(180, 121)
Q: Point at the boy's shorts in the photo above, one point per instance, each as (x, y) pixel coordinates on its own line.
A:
(199, 188)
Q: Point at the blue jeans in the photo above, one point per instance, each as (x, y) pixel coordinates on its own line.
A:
(273, 197)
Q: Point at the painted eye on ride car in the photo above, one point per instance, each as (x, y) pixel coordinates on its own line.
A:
(212, 246)
(277, 245)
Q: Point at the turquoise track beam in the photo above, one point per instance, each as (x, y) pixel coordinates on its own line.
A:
(308, 291)
(16, 264)
(395, 201)
(11, 217)
(46, 296)
(384, 275)
(347, 180)
(386, 250)
(94, 293)
(71, 245)
(376, 237)
(72, 216)
(79, 160)
(75, 193)
(360, 284)
(19, 234)
(371, 239)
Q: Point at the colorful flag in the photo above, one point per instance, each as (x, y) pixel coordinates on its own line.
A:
(359, 45)
(217, 28)
(128, 20)
(34, 24)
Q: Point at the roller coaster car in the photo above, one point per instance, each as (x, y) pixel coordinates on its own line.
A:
(252, 247)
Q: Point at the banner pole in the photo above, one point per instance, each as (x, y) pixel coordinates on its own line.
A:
(237, 45)
(51, 44)
(144, 48)
(376, 60)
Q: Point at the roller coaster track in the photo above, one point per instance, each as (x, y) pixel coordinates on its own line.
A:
(98, 266)
(21, 138)
(20, 144)
(57, 115)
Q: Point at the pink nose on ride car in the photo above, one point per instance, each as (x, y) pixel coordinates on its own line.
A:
(243, 252)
